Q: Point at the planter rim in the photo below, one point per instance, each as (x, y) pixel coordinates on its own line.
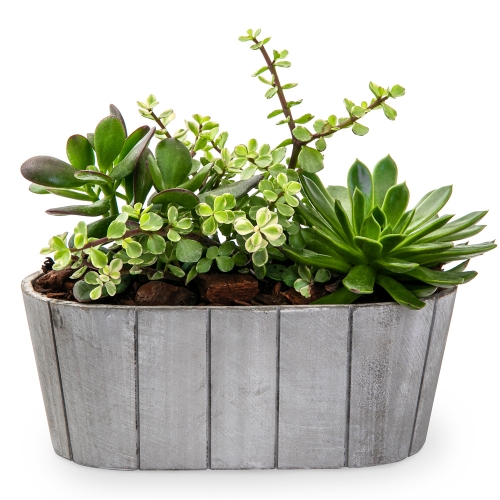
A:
(27, 287)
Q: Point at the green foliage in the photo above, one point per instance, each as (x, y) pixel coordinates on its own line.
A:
(191, 204)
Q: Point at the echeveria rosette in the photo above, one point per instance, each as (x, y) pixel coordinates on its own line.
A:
(366, 233)
(267, 230)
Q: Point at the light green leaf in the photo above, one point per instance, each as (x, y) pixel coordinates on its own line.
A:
(389, 112)
(399, 293)
(98, 258)
(360, 279)
(79, 151)
(116, 230)
(156, 244)
(359, 129)
(151, 222)
(174, 162)
(310, 160)
(302, 134)
(360, 177)
(109, 139)
(385, 176)
(430, 205)
(188, 250)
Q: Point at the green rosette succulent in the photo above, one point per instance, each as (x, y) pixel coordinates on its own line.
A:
(366, 233)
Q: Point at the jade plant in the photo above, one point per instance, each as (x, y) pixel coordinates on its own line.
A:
(192, 205)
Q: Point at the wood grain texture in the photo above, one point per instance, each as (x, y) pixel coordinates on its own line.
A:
(243, 380)
(313, 377)
(97, 362)
(442, 319)
(389, 344)
(42, 338)
(173, 392)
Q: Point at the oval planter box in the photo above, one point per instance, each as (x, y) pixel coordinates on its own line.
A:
(237, 387)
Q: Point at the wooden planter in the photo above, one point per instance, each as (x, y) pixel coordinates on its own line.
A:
(237, 387)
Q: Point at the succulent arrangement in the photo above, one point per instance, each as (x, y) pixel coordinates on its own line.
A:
(196, 206)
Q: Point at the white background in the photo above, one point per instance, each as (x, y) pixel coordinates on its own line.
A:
(64, 62)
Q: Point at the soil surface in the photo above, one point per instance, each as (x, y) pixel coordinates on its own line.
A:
(225, 289)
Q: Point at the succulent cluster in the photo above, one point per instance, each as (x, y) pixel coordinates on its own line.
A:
(194, 206)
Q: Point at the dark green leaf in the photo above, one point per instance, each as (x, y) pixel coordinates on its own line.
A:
(224, 263)
(360, 177)
(79, 151)
(395, 265)
(98, 208)
(344, 222)
(109, 139)
(349, 253)
(440, 278)
(371, 249)
(182, 197)
(93, 177)
(155, 173)
(340, 193)
(126, 166)
(143, 181)
(360, 279)
(341, 296)
(430, 205)
(395, 203)
(313, 259)
(464, 234)
(426, 229)
(174, 162)
(50, 172)
(455, 227)
(421, 291)
(404, 222)
(132, 140)
(73, 195)
(390, 241)
(399, 293)
(310, 160)
(460, 252)
(114, 111)
(358, 210)
(237, 189)
(370, 228)
(385, 176)
(412, 251)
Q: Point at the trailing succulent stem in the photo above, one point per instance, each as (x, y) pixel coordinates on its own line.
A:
(191, 205)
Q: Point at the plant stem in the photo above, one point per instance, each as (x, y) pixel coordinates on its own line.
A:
(160, 124)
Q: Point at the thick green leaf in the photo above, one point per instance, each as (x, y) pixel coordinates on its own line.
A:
(309, 258)
(155, 173)
(82, 290)
(460, 267)
(127, 165)
(342, 194)
(399, 293)
(188, 250)
(455, 226)
(425, 229)
(132, 140)
(395, 265)
(395, 203)
(73, 195)
(50, 172)
(341, 296)
(349, 253)
(412, 251)
(93, 177)
(460, 252)
(114, 111)
(430, 205)
(385, 176)
(370, 228)
(440, 278)
(360, 279)
(182, 197)
(380, 217)
(313, 218)
(344, 222)
(79, 151)
(421, 291)
(197, 180)
(390, 241)
(142, 180)
(360, 177)
(404, 222)
(174, 162)
(466, 233)
(109, 139)
(371, 249)
(310, 160)
(98, 208)
(358, 210)
(237, 189)
(37, 189)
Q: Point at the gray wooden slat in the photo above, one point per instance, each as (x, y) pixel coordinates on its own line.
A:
(442, 319)
(173, 393)
(389, 345)
(42, 338)
(243, 387)
(314, 345)
(97, 363)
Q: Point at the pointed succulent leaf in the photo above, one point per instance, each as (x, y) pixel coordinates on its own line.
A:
(455, 226)
(371, 249)
(390, 241)
(344, 222)
(440, 278)
(342, 194)
(341, 296)
(419, 249)
(126, 166)
(464, 234)
(360, 279)
(360, 177)
(358, 210)
(421, 291)
(425, 229)
(395, 203)
(79, 152)
(182, 197)
(395, 265)
(309, 258)
(430, 205)
(404, 222)
(385, 176)
(459, 252)
(399, 293)
(50, 172)
(174, 162)
(109, 139)
(370, 228)
(98, 208)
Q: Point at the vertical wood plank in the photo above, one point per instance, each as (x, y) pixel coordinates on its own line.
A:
(314, 345)
(42, 338)
(97, 362)
(243, 392)
(173, 388)
(389, 344)
(444, 309)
